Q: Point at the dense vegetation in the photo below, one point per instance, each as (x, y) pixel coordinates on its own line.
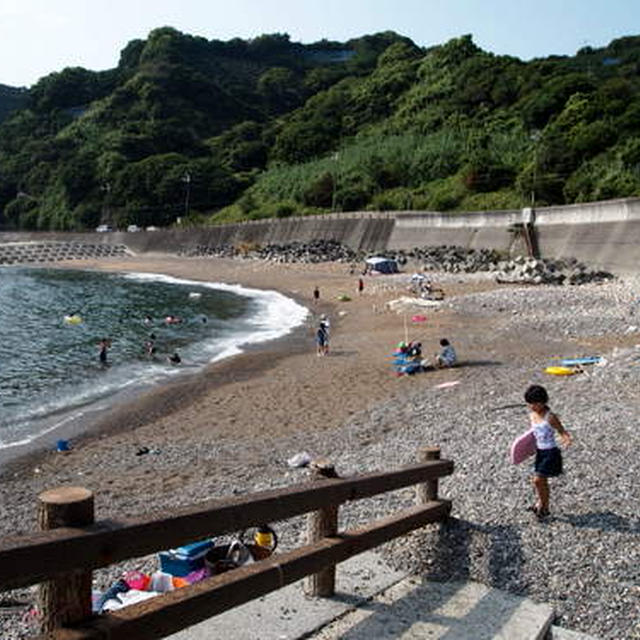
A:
(216, 131)
(11, 98)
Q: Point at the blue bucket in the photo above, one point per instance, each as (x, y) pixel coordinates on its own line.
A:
(62, 445)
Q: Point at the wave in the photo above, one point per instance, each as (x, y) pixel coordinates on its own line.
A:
(272, 315)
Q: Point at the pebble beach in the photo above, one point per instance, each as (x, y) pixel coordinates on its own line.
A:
(232, 428)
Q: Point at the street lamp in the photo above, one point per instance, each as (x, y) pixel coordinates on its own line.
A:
(186, 178)
(335, 181)
(535, 136)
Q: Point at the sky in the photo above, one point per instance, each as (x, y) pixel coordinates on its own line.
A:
(38, 37)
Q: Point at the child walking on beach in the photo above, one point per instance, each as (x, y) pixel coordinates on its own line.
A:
(548, 462)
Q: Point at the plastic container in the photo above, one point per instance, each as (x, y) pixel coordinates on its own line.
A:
(63, 446)
(184, 560)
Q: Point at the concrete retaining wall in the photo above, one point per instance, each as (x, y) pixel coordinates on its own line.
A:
(600, 234)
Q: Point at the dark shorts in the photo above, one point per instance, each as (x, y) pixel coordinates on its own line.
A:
(548, 463)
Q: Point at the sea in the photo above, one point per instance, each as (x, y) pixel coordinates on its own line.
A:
(52, 322)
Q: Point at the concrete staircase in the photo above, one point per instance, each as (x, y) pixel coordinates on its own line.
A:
(373, 602)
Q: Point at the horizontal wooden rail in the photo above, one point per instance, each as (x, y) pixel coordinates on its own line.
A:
(34, 558)
(171, 612)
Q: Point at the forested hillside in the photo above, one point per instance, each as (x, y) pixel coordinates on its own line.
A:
(11, 98)
(210, 131)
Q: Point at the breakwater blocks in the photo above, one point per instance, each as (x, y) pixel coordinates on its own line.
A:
(31, 252)
(520, 269)
(450, 259)
(318, 250)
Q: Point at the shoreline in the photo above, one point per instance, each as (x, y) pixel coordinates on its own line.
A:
(93, 418)
(138, 417)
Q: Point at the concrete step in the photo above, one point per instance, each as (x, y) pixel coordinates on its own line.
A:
(559, 633)
(373, 602)
(289, 614)
(413, 609)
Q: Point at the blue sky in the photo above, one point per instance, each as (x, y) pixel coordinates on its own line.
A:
(41, 36)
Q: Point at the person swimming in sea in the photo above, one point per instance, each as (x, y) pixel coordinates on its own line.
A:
(150, 346)
(103, 346)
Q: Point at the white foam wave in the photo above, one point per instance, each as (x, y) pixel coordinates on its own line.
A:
(275, 316)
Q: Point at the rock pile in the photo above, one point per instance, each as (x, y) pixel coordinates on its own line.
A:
(456, 259)
(536, 271)
(520, 270)
(449, 259)
(318, 250)
(314, 251)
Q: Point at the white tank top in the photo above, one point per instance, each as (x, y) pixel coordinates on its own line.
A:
(544, 433)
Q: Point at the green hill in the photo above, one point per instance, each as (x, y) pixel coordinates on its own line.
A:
(11, 98)
(216, 131)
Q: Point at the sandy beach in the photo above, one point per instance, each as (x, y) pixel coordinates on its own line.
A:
(270, 391)
(231, 428)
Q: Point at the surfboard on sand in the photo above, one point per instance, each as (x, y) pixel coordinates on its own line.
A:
(567, 362)
(523, 447)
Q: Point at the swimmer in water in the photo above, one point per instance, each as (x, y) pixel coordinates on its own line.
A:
(103, 346)
(150, 346)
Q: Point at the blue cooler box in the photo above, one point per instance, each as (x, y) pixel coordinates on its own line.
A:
(183, 560)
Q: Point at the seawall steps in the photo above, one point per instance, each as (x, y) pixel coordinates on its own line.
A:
(30, 252)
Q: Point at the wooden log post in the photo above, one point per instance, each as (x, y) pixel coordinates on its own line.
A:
(65, 599)
(321, 524)
(427, 491)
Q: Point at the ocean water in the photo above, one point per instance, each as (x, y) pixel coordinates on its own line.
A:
(50, 371)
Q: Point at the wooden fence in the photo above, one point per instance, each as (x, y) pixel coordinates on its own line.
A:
(71, 545)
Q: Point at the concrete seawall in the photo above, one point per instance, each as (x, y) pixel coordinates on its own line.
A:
(605, 235)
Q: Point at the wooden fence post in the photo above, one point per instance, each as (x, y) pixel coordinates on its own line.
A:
(428, 491)
(321, 524)
(65, 599)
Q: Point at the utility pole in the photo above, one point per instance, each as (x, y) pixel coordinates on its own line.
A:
(106, 216)
(535, 136)
(335, 182)
(187, 179)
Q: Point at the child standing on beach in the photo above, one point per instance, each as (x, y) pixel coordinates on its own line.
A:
(548, 462)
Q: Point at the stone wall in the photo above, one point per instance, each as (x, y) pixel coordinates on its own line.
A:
(604, 235)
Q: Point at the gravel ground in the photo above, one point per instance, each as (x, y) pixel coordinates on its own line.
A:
(584, 560)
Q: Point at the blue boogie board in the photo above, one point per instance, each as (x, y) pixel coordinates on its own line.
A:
(568, 362)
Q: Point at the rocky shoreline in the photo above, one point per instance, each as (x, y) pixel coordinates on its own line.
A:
(583, 560)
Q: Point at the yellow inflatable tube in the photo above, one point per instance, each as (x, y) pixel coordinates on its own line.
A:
(74, 319)
(561, 371)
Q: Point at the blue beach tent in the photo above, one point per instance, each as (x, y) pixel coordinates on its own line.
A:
(382, 265)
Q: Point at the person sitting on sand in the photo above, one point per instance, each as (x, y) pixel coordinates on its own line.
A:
(414, 349)
(447, 356)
